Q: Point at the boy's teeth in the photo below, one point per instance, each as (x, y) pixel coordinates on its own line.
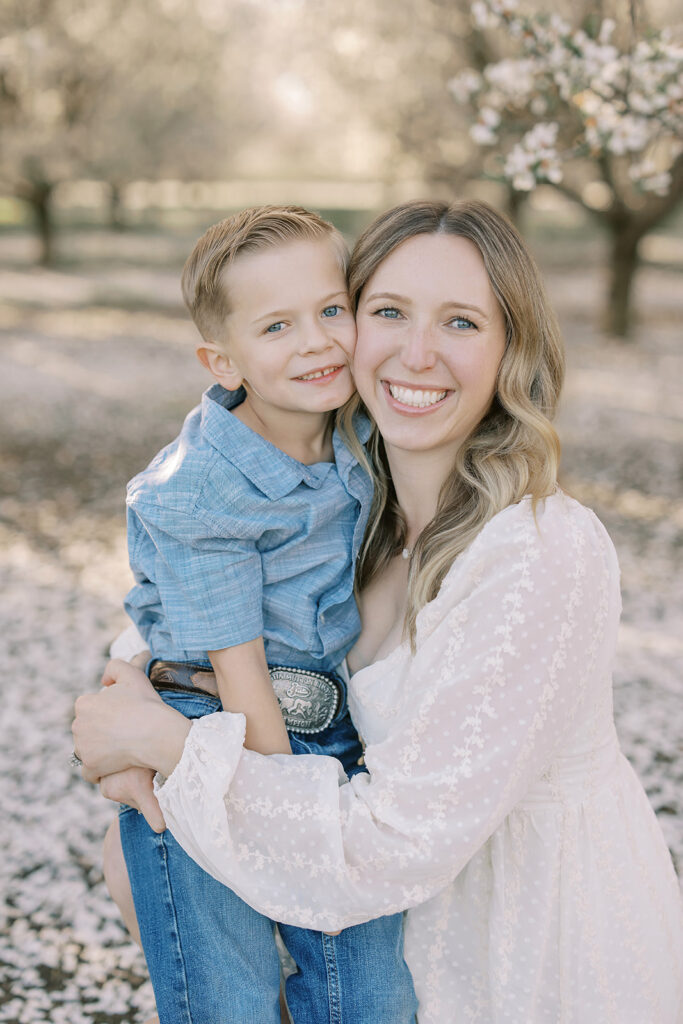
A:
(420, 399)
(319, 373)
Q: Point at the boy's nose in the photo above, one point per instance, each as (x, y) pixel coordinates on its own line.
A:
(314, 338)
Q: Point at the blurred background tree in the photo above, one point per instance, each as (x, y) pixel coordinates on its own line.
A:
(594, 110)
(120, 90)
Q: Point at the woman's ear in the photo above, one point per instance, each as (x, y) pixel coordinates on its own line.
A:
(220, 365)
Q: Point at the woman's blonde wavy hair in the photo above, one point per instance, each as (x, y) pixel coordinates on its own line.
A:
(514, 450)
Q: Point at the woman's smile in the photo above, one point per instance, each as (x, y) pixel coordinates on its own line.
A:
(411, 398)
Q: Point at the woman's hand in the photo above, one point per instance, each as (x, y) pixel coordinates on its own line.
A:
(135, 787)
(126, 725)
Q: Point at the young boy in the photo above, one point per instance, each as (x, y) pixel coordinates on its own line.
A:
(242, 537)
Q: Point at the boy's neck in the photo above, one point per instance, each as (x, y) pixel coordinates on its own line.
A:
(304, 436)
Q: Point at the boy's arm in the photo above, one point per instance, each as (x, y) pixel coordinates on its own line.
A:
(244, 685)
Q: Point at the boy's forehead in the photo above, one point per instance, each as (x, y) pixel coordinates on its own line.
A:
(280, 276)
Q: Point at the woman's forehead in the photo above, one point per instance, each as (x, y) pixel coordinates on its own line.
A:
(438, 267)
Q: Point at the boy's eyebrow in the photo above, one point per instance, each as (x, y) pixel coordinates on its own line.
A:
(283, 312)
(407, 301)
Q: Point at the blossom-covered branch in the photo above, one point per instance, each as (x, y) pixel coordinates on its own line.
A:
(573, 94)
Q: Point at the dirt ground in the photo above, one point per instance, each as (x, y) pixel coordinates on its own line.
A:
(96, 373)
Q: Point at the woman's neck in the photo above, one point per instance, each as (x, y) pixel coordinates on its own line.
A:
(418, 478)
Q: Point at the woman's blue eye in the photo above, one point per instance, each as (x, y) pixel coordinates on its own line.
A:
(275, 328)
(388, 313)
(463, 321)
(331, 311)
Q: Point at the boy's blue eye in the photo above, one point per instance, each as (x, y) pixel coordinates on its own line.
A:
(275, 328)
(331, 311)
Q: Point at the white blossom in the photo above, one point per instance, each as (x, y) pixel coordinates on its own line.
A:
(514, 78)
(483, 15)
(489, 117)
(630, 134)
(463, 85)
(482, 134)
(606, 30)
(524, 181)
(559, 26)
(649, 178)
(534, 158)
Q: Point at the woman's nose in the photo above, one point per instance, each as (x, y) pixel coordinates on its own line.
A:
(419, 353)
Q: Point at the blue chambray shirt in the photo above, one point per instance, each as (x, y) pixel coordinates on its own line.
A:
(230, 539)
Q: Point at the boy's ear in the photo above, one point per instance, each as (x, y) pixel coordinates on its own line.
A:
(219, 364)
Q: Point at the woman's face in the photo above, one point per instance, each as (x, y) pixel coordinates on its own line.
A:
(430, 339)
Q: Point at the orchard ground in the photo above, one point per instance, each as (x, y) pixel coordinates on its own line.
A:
(96, 373)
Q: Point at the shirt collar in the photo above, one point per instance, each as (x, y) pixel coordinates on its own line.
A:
(271, 470)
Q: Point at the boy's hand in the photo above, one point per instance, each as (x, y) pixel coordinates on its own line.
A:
(133, 786)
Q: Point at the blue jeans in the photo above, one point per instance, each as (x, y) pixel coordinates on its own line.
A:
(212, 959)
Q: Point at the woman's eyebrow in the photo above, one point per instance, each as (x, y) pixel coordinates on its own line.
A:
(387, 295)
(465, 305)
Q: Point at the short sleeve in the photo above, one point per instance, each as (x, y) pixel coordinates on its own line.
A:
(520, 637)
(205, 586)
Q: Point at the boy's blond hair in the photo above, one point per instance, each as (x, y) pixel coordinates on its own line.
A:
(261, 227)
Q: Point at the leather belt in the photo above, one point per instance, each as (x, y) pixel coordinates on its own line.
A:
(308, 700)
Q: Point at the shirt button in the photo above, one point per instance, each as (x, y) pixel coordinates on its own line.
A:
(322, 616)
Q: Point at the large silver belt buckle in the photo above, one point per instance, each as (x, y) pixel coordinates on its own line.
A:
(308, 700)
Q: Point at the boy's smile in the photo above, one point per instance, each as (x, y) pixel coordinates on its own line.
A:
(290, 335)
(323, 376)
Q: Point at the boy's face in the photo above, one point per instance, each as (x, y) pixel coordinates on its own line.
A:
(291, 334)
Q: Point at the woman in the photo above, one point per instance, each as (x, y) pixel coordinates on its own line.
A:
(497, 803)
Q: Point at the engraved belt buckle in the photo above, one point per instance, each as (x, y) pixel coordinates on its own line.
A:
(308, 700)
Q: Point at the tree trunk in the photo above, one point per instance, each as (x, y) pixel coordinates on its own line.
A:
(38, 194)
(624, 263)
(116, 218)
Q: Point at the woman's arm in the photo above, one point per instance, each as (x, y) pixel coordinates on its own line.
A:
(126, 725)
(522, 631)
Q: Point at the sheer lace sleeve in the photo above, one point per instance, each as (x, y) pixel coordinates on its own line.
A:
(522, 631)
(127, 644)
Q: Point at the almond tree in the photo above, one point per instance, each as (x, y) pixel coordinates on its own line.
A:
(119, 90)
(51, 80)
(579, 105)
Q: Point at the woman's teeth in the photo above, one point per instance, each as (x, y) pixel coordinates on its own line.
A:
(420, 399)
(319, 373)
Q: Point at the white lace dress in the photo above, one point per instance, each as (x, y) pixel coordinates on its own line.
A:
(498, 805)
